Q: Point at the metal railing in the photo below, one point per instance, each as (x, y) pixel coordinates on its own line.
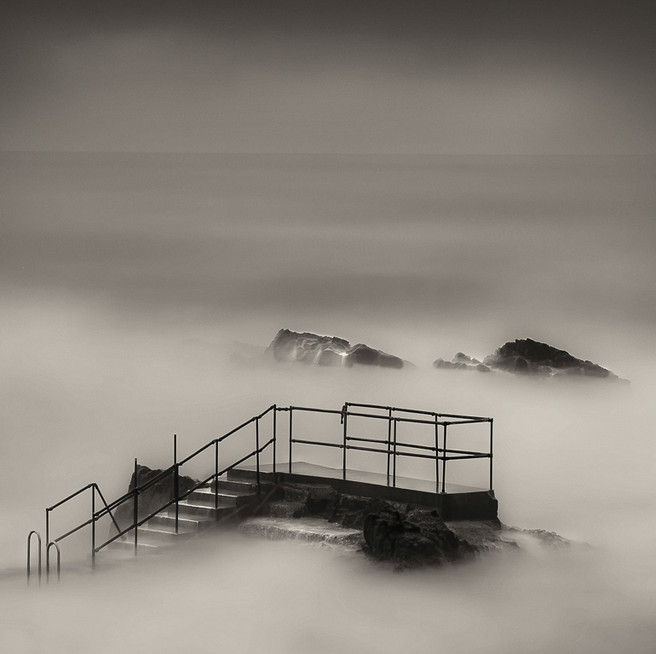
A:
(390, 446)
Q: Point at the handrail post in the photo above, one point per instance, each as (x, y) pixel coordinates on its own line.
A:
(394, 458)
(446, 424)
(291, 413)
(257, 453)
(389, 441)
(344, 437)
(136, 506)
(491, 452)
(275, 429)
(216, 473)
(93, 525)
(437, 455)
(29, 555)
(176, 480)
(47, 539)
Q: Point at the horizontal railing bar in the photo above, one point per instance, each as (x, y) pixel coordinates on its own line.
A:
(419, 411)
(244, 458)
(367, 440)
(70, 497)
(299, 440)
(468, 456)
(448, 450)
(360, 448)
(385, 442)
(197, 452)
(113, 538)
(338, 412)
(72, 531)
(393, 418)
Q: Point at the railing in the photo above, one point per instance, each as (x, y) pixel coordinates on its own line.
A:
(390, 446)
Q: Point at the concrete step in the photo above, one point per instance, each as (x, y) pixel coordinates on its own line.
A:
(225, 497)
(166, 521)
(194, 510)
(244, 485)
(162, 535)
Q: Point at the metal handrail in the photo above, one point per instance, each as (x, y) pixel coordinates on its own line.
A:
(390, 446)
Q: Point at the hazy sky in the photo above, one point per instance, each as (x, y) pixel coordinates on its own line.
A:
(400, 77)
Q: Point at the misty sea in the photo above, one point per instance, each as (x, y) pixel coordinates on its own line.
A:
(131, 282)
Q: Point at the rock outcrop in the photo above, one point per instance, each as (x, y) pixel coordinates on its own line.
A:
(413, 538)
(529, 357)
(327, 351)
(154, 496)
(526, 356)
(400, 534)
(461, 361)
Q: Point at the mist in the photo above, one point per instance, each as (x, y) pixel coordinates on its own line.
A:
(129, 282)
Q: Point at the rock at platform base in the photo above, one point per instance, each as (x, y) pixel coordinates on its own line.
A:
(307, 347)
(154, 497)
(416, 538)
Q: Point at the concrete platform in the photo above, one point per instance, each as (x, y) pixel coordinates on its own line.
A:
(456, 503)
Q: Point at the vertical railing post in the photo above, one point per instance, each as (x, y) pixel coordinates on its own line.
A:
(176, 481)
(257, 453)
(291, 413)
(136, 506)
(389, 441)
(47, 540)
(344, 437)
(216, 473)
(437, 455)
(275, 429)
(394, 458)
(446, 424)
(93, 525)
(491, 450)
(29, 555)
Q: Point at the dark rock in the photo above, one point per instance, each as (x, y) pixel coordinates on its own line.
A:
(529, 357)
(461, 361)
(327, 351)
(418, 537)
(152, 498)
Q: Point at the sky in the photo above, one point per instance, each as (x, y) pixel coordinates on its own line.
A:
(346, 77)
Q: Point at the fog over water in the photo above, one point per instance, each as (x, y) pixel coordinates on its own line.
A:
(126, 281)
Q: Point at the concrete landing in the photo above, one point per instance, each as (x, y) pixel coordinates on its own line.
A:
(457, 503)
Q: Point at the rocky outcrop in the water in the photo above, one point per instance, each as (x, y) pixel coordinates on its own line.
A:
(529, 357)
(413, 538)
(526, 356)
(461, 362)
(404, 535)
(327, 351)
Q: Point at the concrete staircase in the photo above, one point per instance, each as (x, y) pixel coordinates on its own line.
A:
(237, 497)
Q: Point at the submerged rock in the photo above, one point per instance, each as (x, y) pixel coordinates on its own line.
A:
(307, 347)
